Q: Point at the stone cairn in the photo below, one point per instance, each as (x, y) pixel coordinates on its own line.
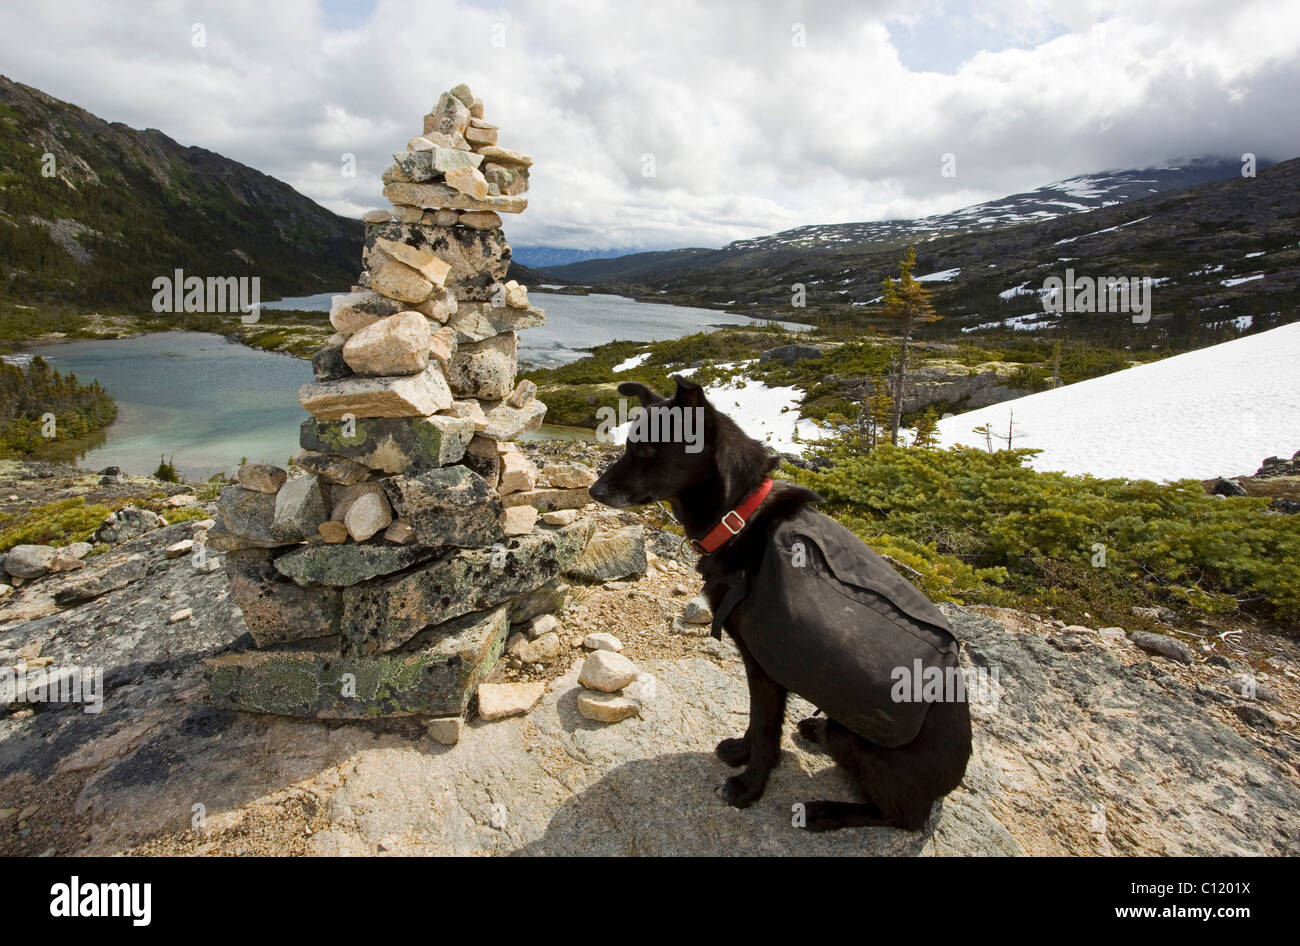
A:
(383, 578)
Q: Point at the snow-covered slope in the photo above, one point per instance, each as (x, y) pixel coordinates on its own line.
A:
(1217, 411)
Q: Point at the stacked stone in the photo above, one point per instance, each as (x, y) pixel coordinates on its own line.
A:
(383, 579)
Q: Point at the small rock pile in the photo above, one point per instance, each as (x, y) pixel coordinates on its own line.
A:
(613, 688)
(382, 579)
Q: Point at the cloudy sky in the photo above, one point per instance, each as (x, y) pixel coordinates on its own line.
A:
(759, 116)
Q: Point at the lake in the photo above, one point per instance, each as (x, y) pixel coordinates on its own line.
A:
(574, 323)
(207, 402)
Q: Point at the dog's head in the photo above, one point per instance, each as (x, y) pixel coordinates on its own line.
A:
(676, 443)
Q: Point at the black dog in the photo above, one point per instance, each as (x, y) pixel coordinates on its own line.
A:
(703, 481)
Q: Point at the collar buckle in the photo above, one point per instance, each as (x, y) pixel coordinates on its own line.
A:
(730, 528)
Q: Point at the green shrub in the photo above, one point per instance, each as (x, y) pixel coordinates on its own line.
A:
(984, 526)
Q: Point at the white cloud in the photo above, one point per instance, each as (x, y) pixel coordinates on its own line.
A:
(750, 134)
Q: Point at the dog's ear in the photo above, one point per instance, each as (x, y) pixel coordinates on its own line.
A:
(641, 392)
(689, 394)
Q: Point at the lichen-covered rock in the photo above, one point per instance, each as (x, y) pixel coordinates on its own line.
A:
(549, 597)
(612, 555)
(342, 566)
(332, 469)
(127, 523)
(451, 506)
(352, 311)
(485, 369)
(328, 364)
(384, 614)
(275, 609)
(436, 676)
(548, 500)
(300, 506)
(479, 259)
(248, 518)
(394, 445)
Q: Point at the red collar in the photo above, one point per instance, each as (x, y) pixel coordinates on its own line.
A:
(733, 521)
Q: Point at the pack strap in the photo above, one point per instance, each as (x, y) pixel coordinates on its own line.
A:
(737, 590)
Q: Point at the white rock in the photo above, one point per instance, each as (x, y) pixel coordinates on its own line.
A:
(446, 729)
(606, 707)
(179, 549)
(499, 700)
(602, 641)
(559, 517)
(543, 624)
(367, 515)
(519, 520)
(607, 671)
(184, 614)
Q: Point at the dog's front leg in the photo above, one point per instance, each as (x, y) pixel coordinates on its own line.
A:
(762, 739)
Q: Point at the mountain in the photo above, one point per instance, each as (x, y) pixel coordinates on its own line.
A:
(122, 207)
(1222, 255)
(538, 256)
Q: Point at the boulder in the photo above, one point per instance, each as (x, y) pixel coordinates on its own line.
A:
(517, 473)
(503, 422)
(612, 555)
(451, 506)
(475, 321)
(127, 523)
(397, 345)
(399, 281)
(417, 395)
(300, 506)
(382, 615)
(261, 477)
(602, 641)
(367, 515)
(275, 609)
(524, 392)
(450, 117)
(444, 196)
(485, 369)
(352, 311)
(421, 260)
(394, 445)
(479, 260)
(29, 561)
(436, 676)
(1162, 646)
(519, 520)
(94, 583)
(548, 500)
(246, 515)
(328, 364)
(567, 475)
(342, 566)
(332, 469)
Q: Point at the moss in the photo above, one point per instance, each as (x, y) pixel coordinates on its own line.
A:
(57, 523)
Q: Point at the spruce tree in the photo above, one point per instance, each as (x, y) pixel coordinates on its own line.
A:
(908, 301)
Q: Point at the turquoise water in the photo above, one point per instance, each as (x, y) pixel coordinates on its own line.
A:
(577, 322)
(190, 395)
(207, 403)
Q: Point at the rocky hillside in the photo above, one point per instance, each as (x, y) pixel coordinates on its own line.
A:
(121, 207)
(1221, 253)
(1094, 741)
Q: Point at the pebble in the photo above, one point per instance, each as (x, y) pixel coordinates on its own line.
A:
(543, 624)
(179, 549)
(697, 611)
(607, 671)
(446, 730)
(606, 707)
(602, 641)
(184, 614)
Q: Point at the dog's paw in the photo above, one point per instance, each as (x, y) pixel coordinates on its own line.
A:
(741, 792)
(813, 729)
(734, 752)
